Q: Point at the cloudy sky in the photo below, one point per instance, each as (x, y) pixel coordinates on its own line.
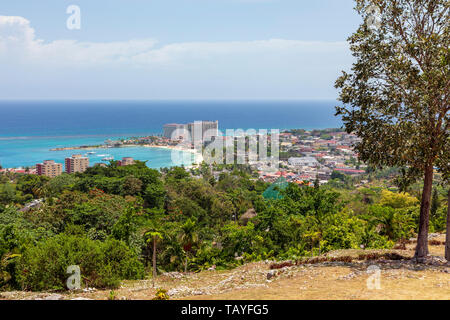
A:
(174, 49)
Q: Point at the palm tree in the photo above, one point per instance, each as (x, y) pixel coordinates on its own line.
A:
(188, 238)
(154, 237)
(173, 253)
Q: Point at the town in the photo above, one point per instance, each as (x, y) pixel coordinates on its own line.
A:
(305, 156)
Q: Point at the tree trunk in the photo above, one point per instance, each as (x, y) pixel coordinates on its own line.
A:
(185, 264)
(447, 238)
(154, 261)
(425, 205)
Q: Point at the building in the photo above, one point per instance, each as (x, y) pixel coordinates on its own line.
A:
(203, 131)
(77, 163)
(199, 131)
(169, 129)
(100, 164)
(304, 162)
(350, 171)
(49, 168)
(126, 161)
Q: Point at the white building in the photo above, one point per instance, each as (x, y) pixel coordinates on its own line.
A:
(303, 162)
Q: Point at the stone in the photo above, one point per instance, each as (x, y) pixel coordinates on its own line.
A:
(271, 274)
(53, 297)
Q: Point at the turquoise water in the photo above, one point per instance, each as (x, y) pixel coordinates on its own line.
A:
(29, 129)
(27, 151)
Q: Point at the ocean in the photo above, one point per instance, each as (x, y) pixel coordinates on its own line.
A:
(29, 129)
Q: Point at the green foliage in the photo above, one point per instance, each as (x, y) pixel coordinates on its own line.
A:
(59, 184)
(102, 264)
(394, 223)
(32, 184)
(397, 200)
(97, 213)
(161, 294)
(438, 221)
(115, 221)
(7, 193)
(112, 295)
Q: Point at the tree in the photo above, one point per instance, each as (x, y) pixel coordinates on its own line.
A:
(32, 184)
(60, 183)
(317, 182)
(397, 97)
(434, 203)
(188, 238)
(338, 175)
(397, 200)
(154, 237)
(131, 186)
(447, 238)
(7, 193)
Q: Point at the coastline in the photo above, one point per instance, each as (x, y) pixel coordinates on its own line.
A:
(124, 146)
(141, 152)
(198, 158)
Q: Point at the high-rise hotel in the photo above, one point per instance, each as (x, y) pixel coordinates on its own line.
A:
(199, 131)
(170, 128)
(77, 163)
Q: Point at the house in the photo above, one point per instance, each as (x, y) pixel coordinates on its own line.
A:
(305, 162)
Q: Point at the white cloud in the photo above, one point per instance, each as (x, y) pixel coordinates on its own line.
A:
(284, 67)
(16, 34)
(18, 41)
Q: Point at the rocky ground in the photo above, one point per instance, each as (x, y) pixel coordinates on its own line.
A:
(360, 274)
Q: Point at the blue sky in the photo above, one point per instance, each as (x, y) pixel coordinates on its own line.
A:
(175, 49)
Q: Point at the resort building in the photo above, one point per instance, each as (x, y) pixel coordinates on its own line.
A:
(49, 168)
(126, 161)
(202, 131)
(169, 129)
(100, 164)
(77, 163)
(199, 131)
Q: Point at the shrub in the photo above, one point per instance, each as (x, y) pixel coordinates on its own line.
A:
(161, 294)
(102, 264)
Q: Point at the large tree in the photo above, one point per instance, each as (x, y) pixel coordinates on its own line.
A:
(396, 98)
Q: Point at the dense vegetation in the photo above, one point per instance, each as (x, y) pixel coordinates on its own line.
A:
(119, 222)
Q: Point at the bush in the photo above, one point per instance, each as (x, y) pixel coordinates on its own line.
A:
(102, 264)
(161, 294)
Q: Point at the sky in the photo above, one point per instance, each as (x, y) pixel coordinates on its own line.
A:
(174, 49)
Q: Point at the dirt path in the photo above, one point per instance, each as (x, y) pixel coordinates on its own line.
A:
(328, 283)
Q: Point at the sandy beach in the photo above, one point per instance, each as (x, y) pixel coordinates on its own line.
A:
(198, 156)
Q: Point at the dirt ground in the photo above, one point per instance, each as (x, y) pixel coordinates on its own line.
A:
(389, 279)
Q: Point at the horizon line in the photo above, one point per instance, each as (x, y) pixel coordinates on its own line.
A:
(169, 99)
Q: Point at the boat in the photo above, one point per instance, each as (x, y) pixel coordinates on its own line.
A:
(108, 159)
(91, 152)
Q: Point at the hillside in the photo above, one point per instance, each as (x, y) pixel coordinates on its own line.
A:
(400, 279)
